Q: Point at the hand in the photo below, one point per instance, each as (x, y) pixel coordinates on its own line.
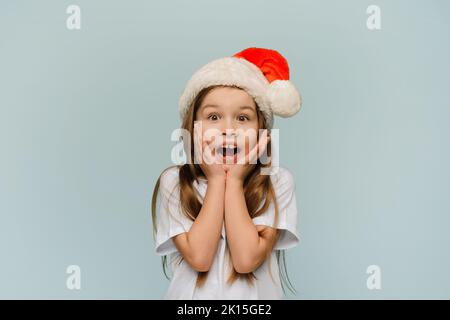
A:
(238, 171)
(205, 155)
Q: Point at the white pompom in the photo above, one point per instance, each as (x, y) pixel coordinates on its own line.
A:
(284, 98)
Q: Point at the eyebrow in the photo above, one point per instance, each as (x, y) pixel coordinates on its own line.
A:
(247, 107)
(210, 106)
(216, 106)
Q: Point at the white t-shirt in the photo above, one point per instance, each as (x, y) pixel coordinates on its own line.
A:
(172, 221)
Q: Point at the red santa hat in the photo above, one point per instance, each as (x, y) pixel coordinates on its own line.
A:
(262, 73)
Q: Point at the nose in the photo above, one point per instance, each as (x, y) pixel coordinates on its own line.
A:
(229, 137)
(228, 128)
(229, 132)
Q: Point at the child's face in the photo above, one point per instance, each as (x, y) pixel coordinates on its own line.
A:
(228, 112)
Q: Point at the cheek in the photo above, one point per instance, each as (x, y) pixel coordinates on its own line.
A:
(207, 129)
(209, 133)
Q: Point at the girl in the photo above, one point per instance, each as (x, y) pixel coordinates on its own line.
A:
(224, 221)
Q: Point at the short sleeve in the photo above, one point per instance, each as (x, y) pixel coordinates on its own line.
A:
(284, 186)
(170, 220)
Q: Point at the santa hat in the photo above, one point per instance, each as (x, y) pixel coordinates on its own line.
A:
(262, 73)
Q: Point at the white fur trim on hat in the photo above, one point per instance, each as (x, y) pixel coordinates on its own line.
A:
(229, 71)
(279, 97)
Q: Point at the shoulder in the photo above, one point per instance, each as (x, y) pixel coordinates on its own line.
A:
(282, 178)
(169, 177)
(170, 172)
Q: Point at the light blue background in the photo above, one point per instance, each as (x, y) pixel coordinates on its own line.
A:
(86, 117)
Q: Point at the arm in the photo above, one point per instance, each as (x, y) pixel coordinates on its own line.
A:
(199, 245)
(249, 244)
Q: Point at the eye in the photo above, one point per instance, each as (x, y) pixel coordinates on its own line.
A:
(213, 117)
(243, 118)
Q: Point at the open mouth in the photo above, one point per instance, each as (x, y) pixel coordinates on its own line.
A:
(228, 151)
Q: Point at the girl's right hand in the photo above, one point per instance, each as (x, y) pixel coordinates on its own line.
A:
(206, 156)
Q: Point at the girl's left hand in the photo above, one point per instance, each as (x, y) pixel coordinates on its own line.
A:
(239, 171)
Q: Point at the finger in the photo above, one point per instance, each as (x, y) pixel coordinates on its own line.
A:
(242, 156)
(209, 154)
(252, 155)
(259, 148)
(206, 153)
(198, 150)
(263, 141)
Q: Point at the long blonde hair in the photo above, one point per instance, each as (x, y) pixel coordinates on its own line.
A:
(257, 188)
